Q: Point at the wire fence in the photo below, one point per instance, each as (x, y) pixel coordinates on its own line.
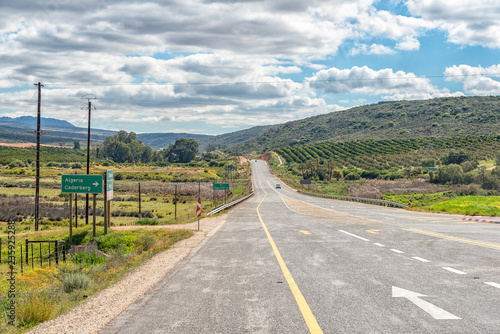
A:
(35, 254)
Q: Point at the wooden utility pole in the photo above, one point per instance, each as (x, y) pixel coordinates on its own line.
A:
(38, 134)
(88, 158)
(140, 213)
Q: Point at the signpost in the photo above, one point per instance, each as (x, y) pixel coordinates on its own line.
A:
(198, 212)
(222, 186)
(80, 184)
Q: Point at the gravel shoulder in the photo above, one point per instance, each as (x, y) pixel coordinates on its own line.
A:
(97, 311)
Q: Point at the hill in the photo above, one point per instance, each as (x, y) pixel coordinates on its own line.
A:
(443, 117)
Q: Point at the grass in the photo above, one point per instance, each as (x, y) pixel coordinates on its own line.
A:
(470, 205)
(44, 293)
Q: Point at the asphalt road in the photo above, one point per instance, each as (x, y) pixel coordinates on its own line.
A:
(289, 263)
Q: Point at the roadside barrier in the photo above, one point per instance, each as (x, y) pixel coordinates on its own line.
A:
(356, 199)
(228, 205)
(482, 220)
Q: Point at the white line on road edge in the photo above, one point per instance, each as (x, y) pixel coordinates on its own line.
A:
(454, 271)
(397, 251)
(414, 297)
(496, 285)
(354, 235)
(420, 259)
(380, 245)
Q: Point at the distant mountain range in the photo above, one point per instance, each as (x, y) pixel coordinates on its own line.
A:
(59, 132)
(442, 117)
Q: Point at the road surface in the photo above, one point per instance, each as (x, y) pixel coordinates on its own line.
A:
(288, 263)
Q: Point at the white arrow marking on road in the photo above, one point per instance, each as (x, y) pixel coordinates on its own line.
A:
(95, 184)
(433, 310)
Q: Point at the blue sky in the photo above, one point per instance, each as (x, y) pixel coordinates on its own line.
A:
(211, 67)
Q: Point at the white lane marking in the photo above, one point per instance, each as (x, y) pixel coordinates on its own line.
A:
(496, 285)
(420, 259)
(380, 245)
(414, 297)
(397, 251)
(354, 235)
(454, 271)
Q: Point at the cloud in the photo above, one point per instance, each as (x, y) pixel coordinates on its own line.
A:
(467, 22)
(391, 85)
(376, 49)
(476, 80)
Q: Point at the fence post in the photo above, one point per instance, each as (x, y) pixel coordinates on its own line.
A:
(57, 252)
(32, 258)
(21, 258)
(27, 255)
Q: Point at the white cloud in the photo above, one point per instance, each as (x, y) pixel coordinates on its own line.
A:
(408, 43)
(476, 80)
(467, 22)
(375, 49)
(386, 82)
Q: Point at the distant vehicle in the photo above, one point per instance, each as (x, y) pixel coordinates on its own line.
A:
(278, 186)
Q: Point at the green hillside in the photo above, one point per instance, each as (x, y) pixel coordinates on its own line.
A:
(443, 117)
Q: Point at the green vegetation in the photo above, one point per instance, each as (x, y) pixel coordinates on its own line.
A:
(470, 205)
(44, 293)
(443, 117)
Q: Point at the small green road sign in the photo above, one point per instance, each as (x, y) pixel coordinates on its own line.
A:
(81, 184)
(221, 186)
(109, 184)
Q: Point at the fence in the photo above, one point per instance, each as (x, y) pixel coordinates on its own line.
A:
(50, 255)
(356, 199)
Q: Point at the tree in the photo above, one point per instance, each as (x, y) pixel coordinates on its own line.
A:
(184, 150)
(455, 157)
(497, 158)
(452, 173)
(124, 147)
(337, 173)
(76, 145)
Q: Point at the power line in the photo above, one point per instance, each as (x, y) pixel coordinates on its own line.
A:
(283, 81)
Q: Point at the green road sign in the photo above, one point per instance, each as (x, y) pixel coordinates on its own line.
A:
(109, 184)
(81, 184)
(221, 186)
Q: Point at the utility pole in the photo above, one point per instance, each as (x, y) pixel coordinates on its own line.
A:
(38, 134)
(88, 157)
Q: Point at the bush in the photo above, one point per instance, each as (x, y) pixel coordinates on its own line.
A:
(76, 165)
(76, 281)
(88, 257)
(147, 221)
(34, 308)
(118, 176)
(16, 163)
(352, 176)
(145, 242)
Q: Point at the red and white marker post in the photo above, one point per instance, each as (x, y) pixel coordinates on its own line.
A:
(198, 212)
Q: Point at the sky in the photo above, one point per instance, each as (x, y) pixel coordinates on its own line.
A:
(213, 67)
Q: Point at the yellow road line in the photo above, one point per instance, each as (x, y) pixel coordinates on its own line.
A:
(454, 238)
(299, 298)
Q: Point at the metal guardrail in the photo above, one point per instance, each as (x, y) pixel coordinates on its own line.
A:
(356, 199)
(228, 205)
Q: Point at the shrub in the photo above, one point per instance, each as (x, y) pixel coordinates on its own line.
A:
(118, 176)
(76, 281)
(88, 257)
(352, 176)
(76, 165)
(34, 308)
(145, 242)
(147, 221)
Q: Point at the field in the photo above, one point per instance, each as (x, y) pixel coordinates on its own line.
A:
(144, 194)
